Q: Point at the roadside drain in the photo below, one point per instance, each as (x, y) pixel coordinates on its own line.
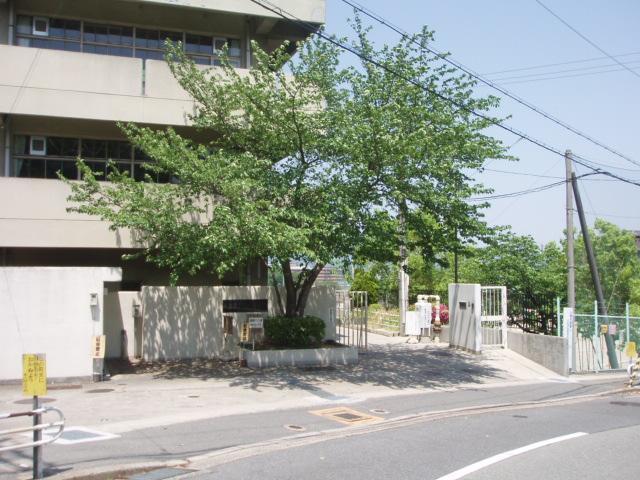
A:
(29, 401)
(161, 474)
(379, 411)
(295, 428)
(100, 390)
(347, 416)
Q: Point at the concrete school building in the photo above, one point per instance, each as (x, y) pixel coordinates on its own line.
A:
(70, 70)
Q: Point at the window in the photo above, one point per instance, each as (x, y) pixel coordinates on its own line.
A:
(38, 146)
(40, 26)
(120, 40)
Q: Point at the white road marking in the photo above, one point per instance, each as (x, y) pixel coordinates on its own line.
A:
(474, 467)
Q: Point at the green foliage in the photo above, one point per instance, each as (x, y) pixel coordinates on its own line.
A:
(287, 332)
(618, 266)
(302, 160)
(365, 280)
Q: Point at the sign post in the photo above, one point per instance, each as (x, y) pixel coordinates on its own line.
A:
(34, 383)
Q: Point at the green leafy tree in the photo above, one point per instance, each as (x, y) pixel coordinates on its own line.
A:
(306, 162)
(618, 266)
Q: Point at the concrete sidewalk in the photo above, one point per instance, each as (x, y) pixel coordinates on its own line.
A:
(179, 392)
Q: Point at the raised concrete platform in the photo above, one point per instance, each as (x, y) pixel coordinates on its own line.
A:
(307, 357)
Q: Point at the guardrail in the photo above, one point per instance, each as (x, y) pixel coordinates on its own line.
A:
(37, 428)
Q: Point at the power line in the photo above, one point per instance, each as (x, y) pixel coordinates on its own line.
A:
(487, 82)
(312, 29)
(586, 39)
(558, 64)
(527, 191)
(527, 174)
(570, 70)
(585, 74)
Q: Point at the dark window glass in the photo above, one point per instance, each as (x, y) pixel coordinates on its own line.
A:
(119, 150)
(56, 27)
(200, 60)
(147, 38)
(121, 167)
(115, 35)
(121, 51)
(97, 168)
(72, 46)
(140, 155)
(30, 167)
(52, 168)
(94, 149)
(62, 147)
(127, 36)
(21, 144)
(24, 25)
(72, 29)
(199, 44)
(139, 172)
(47, 43)
(173, 36)
(69, 169)
(150, 54)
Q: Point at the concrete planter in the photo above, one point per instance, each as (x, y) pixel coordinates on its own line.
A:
(308, 357)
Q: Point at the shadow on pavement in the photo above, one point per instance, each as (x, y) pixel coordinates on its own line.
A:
(393, 366)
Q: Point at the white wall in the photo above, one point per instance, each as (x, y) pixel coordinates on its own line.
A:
(464, 317)
(186, 322)
(118, 316)
(47, 310)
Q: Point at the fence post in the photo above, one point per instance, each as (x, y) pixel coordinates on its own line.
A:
(558, 317)
(627, 335)
(596, 339)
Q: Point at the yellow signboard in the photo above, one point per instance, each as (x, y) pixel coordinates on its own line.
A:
(34, 374)
(604, 329)
(630, 351)
(97, 346)
(244, 333)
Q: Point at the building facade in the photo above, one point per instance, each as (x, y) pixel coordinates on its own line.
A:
(71, 70)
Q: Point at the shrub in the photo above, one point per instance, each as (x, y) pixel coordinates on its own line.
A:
(304, 332)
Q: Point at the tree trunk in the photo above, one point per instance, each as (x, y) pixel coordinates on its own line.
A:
(297, 293)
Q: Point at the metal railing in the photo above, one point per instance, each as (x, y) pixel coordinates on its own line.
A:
(59, 424)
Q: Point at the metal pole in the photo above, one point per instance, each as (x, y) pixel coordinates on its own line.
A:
(558, 329)
(403, 281)
(596, 337)
(627, 332)
(593, 267)
(37, 436)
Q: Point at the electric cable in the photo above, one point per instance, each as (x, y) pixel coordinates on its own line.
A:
(313, 29)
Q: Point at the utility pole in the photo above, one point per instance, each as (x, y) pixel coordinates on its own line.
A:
(593, 267)
(571, 264)
(403, 278)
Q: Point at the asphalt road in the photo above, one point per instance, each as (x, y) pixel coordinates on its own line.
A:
(409, 441)
(607, 447)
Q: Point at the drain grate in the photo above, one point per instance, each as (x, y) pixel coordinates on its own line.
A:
(74, 435)
(161, 474)
(379, 411)
(346, 415)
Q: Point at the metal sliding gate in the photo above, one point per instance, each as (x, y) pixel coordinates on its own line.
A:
(493, 316)
(351, 317)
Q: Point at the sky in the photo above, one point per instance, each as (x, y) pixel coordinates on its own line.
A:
(495, 35)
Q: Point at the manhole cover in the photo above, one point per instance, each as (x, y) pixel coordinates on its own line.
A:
(29, 401)
(346, 415)
(193, 396)
(100, 390)
(519, 416)
(295, 428)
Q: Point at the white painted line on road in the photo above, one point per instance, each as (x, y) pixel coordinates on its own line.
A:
(474, 467)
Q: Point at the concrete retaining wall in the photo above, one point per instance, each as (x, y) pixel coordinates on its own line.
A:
(548, 351)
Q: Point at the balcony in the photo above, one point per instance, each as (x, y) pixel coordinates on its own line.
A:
(63, 84)
(33, 215)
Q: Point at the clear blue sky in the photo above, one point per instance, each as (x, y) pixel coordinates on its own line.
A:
(496, 35)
